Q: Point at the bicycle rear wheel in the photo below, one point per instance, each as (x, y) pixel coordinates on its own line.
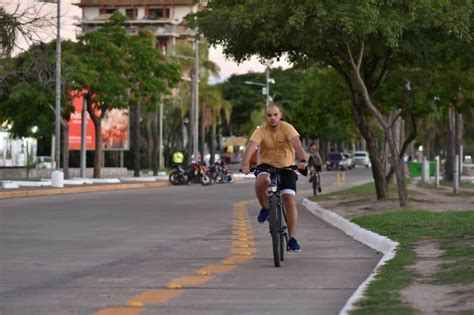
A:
(275, 228)
(315, 184)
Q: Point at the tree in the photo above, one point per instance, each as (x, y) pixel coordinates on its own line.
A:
(27, 92)
(360, 40)
(185, 56)
(119, 70)
(20, 22)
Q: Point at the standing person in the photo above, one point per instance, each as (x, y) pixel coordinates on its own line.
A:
(315, 161)
(178, 158)
(277, 141)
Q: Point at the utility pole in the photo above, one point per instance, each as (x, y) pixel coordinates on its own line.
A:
(83, 135)
(196, 100)
(58, 87)
(265, 86)
(267, 99)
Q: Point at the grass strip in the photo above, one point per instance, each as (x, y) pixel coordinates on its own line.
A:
(454, 231)
(363, 190)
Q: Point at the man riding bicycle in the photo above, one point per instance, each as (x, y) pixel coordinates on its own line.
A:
(277, 141)
(315, 163)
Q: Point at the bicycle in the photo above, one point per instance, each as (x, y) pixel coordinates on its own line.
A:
(314, 180)
(276, 213)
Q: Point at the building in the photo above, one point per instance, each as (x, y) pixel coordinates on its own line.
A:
(163, 17)
(16, 152)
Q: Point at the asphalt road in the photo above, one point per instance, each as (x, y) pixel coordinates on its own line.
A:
(174, 250)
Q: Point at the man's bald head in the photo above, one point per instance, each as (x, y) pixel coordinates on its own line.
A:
(273, 115)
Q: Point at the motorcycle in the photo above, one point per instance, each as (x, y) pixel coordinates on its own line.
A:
(221, 174)
(193, 173)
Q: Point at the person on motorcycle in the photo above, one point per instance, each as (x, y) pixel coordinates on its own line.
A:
(277, 141)
(315, 162)
(178, 158)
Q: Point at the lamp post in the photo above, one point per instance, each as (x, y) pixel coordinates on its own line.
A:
(57, 133)
(265, 86)
(195, 111)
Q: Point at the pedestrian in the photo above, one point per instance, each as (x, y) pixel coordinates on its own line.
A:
(277, 141)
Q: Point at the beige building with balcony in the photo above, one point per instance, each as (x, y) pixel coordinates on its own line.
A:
(163, 17)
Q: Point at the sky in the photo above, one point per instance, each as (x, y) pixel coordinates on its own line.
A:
(71, 15)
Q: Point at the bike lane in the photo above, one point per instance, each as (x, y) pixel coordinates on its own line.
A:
(227, 271)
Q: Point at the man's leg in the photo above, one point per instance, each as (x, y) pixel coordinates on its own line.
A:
(261, 186)
(289, 202)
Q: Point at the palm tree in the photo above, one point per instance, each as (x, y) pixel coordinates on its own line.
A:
(185, 56)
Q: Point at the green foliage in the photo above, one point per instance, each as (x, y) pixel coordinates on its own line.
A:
(323, 109)
(8, 27)
(319, 29)
(314, 101)
(27, 90)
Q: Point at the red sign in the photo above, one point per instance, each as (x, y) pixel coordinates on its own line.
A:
(75, 124)
(114, 127)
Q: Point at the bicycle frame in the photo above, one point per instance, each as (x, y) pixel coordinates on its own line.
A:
(314, 179)
(277, 215)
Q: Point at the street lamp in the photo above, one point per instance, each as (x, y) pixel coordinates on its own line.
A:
(266, 86)
(57, 133)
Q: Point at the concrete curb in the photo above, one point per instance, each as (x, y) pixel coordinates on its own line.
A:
(369, 238)
(73, 190)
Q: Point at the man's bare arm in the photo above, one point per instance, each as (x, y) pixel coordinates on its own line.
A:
(296, 144)
(249, 151)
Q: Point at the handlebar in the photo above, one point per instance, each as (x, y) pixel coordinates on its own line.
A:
(303, 172)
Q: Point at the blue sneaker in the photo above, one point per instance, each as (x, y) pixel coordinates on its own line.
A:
(262, 216)
(293, 245)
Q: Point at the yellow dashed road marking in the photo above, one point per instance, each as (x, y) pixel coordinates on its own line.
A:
(243, 243)
(156, 296)
(122, 310)
(242, 251)
(210, 269)
(190, 281)
(235, 259)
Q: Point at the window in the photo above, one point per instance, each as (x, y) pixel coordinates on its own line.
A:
(162, 44)
(158, 13)
(107, 10)
(131, 13)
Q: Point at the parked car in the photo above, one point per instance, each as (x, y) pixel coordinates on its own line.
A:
(336, 161)
(44, 162)
(349, 161)
(362, 158)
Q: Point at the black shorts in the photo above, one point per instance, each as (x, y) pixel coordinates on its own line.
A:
(317, 168)
(288, 178)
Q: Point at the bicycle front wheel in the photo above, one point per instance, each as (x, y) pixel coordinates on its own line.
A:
(275, 228)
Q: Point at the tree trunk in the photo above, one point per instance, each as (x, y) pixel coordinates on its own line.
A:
(154, 150)
(402, 193)
(372, 147)
(451, 149)
(65, 134)
(399, 169)
(98, 138)
(202, 138)
(136, 140)
(149, 136)
(459, 132)
(213, 143)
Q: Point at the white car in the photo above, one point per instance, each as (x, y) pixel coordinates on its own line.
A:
(349, 161)
(361, 158)
(44, 162)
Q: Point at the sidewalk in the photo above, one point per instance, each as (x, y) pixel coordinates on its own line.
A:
(89, 185)
(46, 191)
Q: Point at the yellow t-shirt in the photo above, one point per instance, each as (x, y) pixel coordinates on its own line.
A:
(274, 147)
